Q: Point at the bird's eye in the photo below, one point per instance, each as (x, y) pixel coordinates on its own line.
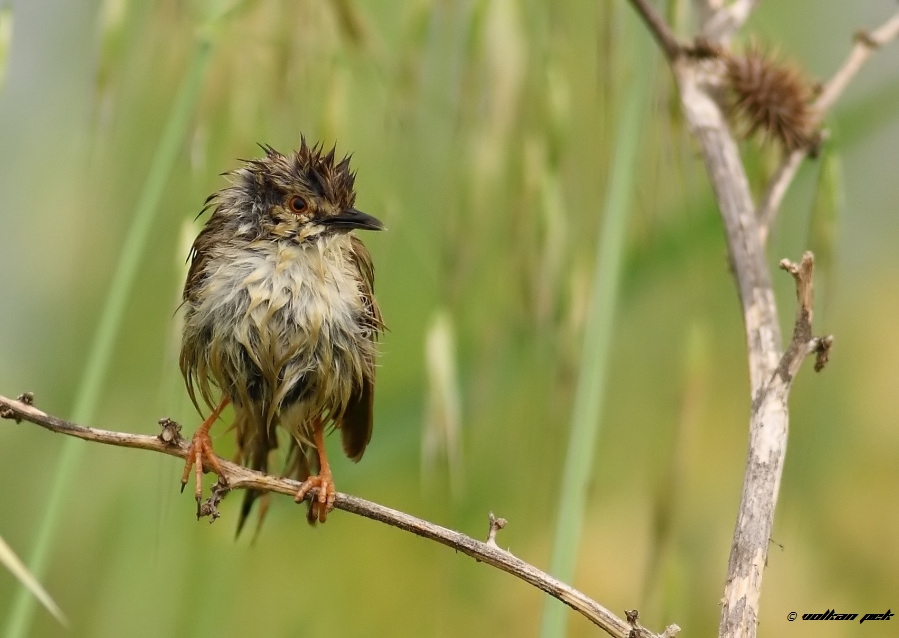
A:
(297, 204)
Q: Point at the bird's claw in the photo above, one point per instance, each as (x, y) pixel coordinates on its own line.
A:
(323, 501)
(200, 456)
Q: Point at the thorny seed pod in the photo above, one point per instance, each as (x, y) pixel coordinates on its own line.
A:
(772, 97)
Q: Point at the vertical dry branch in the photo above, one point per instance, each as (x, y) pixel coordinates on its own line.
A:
(700, 80)
(700, 75)
(696, 82)
(770, 416)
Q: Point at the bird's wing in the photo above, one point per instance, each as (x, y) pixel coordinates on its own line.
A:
(356, 422)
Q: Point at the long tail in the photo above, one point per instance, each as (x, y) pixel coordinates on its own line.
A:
(255, 455)
(254, 444)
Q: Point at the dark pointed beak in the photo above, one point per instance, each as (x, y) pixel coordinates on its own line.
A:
(352, 218)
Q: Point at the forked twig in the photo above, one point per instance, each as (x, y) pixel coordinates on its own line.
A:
(771, 370)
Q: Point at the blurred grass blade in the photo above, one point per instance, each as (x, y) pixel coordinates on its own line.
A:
(440, 436)
(17, 568)
(5, 36)
(585, 419)
(95, 370)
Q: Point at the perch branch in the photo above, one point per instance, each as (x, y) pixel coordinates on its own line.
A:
(865, 45)
(170, 442)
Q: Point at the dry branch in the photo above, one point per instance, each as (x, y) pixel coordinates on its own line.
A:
(169, 441)
(768, 429)
(659, 28)
(700, 79)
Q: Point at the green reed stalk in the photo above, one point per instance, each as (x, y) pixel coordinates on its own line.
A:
(590, 392)
(97, 366)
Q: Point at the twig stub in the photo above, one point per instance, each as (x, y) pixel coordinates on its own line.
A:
(496, 524)
(7, 412)
(802, 332)
(822, 352)
(639, 631)
(171, 431)
(864, 37)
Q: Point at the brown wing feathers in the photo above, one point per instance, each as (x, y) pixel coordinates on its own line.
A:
(356, 424)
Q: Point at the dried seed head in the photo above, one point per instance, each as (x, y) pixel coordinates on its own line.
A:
(772, 97)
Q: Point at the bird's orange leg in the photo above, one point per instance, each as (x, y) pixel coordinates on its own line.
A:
(323, 502)
(200, 452)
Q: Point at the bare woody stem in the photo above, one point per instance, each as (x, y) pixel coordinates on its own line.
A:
(768, 429)
(771, 371)
(238, 477)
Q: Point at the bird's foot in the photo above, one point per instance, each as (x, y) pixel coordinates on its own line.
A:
(200, 456)
(322, 502)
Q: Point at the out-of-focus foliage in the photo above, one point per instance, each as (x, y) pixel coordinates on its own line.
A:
(482, 135)
(17, 568)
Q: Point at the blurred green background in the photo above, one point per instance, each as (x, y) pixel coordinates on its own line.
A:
(483, 135)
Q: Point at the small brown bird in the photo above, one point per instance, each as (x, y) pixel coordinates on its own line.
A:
(281, 319)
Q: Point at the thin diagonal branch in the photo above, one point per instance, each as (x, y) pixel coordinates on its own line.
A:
(659, 29)
(776, 191)
(239, 477)
(865, 45)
